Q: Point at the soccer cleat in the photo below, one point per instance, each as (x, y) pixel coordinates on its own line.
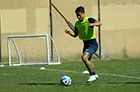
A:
(91, 79)
(97, 76)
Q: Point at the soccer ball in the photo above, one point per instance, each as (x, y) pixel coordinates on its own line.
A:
(65, 81)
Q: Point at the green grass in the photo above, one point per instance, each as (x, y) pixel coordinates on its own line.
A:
(32, 79)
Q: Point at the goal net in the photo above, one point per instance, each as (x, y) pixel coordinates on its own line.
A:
(32, 50)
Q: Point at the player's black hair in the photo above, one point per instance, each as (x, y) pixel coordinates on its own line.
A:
(80, 9)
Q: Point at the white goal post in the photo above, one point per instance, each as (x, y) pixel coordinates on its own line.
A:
(31, 50)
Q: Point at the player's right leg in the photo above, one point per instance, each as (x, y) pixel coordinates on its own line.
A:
(96, 75)
(90, 67)
(90, 47)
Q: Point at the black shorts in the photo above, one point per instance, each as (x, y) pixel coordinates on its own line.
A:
(90, 46)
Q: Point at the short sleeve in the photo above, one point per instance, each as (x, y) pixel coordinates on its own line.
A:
(91, 20)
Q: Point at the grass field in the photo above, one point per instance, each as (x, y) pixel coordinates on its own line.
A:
(114, 76)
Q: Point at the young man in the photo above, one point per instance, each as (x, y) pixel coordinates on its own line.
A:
(85, 30)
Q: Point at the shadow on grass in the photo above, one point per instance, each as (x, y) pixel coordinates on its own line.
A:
(124, 83)
(53, 84)
(86, 84)
(56, 84)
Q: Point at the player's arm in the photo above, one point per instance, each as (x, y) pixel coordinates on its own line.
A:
(93, 22)
(72, 33)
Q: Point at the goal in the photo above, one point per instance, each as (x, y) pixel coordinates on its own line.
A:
(32, 50)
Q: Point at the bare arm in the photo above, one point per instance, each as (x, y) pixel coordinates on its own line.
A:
(96, 23)
(72, 33)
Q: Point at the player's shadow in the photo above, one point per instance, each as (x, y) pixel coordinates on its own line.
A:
(56, 84)
(124, 83)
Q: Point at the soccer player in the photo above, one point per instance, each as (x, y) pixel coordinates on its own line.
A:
(85, 30)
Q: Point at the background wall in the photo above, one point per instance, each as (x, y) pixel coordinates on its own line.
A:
(120, 29)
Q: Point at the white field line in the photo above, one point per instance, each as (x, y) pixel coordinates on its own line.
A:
(104, 74)
(118, 75)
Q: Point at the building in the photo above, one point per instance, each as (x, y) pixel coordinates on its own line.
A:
(120, 29)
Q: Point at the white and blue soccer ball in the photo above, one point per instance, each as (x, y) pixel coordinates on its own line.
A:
(66, 81)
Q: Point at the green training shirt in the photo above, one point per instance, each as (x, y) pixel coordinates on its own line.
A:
(84, 31)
